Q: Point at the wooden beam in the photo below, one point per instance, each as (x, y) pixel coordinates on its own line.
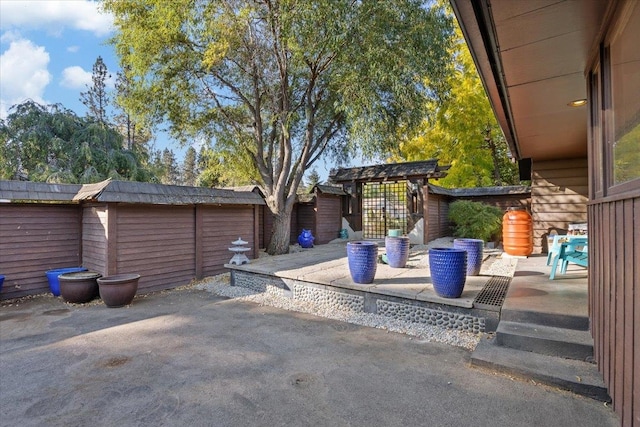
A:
(425, 213)
(112, 239)
(198, 241)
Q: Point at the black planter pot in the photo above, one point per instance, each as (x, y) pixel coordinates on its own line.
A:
(118, 290)
(79, 287)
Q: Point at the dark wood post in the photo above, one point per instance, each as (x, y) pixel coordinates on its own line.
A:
(112, 239)
(256, 231)
(425, 213)
(198, 240)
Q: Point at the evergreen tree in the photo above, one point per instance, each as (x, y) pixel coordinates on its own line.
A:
(312, 180)
(189, 168)
(170, 173)
(96, 98)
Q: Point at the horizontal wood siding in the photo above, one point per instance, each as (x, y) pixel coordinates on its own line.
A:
(305, 218)
(614, 301)
(94, 238)
(328, 218)
(438, 206)
(559, 193)
(157, 242)
(35, 238)
(220, 227)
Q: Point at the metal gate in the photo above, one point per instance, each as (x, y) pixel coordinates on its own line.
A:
(384, 207)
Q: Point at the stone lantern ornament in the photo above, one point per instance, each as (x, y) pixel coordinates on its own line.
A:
(239, 249)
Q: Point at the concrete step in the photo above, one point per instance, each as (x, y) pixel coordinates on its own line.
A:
(576, 376)
(559, 342)
(557, 320)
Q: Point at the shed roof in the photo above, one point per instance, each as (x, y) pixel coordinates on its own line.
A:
(480, 191)
(37, 191)
(123, 192)
(390, 171)
(330, 189)
(145, 192)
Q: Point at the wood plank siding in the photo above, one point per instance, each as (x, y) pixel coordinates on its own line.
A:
(305, 214)
(35, 238)
(328, 218)
(559, 194)
(158, 243)
(94, 238)
(614, 300)
(220, 227)
(438, 216)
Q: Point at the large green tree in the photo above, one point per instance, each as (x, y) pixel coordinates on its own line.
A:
(51, 143)
(464, 132)
(283, 81)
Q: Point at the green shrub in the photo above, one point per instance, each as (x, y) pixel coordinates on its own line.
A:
(475, 220)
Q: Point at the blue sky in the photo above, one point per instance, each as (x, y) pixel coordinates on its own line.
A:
(48, 48)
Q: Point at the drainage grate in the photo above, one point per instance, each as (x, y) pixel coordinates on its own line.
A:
(492, 295)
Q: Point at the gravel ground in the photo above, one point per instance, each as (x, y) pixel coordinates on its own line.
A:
(494, 265)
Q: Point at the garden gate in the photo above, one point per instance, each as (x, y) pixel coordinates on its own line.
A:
(384, 207)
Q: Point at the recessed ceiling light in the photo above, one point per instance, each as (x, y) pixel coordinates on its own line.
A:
(577, 103)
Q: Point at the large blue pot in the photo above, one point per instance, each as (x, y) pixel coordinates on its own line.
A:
(52, 277)
(1, 281)
(448, 271)
(363, 261)
(474, 248)
(397, 250)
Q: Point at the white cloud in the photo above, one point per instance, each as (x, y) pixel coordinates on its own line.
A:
(55, 16)
(75, 78)
(73, 49)
(25, 74)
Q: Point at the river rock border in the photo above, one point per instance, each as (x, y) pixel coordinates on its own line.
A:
(260, 283)
(328, 299)
(445, 319)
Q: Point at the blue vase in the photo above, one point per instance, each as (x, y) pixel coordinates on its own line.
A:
(363, 261)
(474, 248)
(448, 271)
(52, 277)
(305, 239)
(397, 251)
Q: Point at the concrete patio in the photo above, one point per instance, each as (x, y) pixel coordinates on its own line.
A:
(186, 357)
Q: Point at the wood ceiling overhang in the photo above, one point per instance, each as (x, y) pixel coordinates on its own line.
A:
(532, 56)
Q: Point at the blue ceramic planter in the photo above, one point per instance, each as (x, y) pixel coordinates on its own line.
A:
(305, 239)
(474, 248)
(52, 277)
(1, 281)
(448, 271)
(397, 251)
(363, 261)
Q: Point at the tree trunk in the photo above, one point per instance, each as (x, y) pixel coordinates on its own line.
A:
(281, 232)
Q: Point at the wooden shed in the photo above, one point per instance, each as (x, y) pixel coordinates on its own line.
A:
(167, 234)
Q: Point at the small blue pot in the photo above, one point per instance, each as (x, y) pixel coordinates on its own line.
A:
(448, 271)
(474, 248)
(305, 239)
(363, 261)
(397, 251)
(52, 277)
